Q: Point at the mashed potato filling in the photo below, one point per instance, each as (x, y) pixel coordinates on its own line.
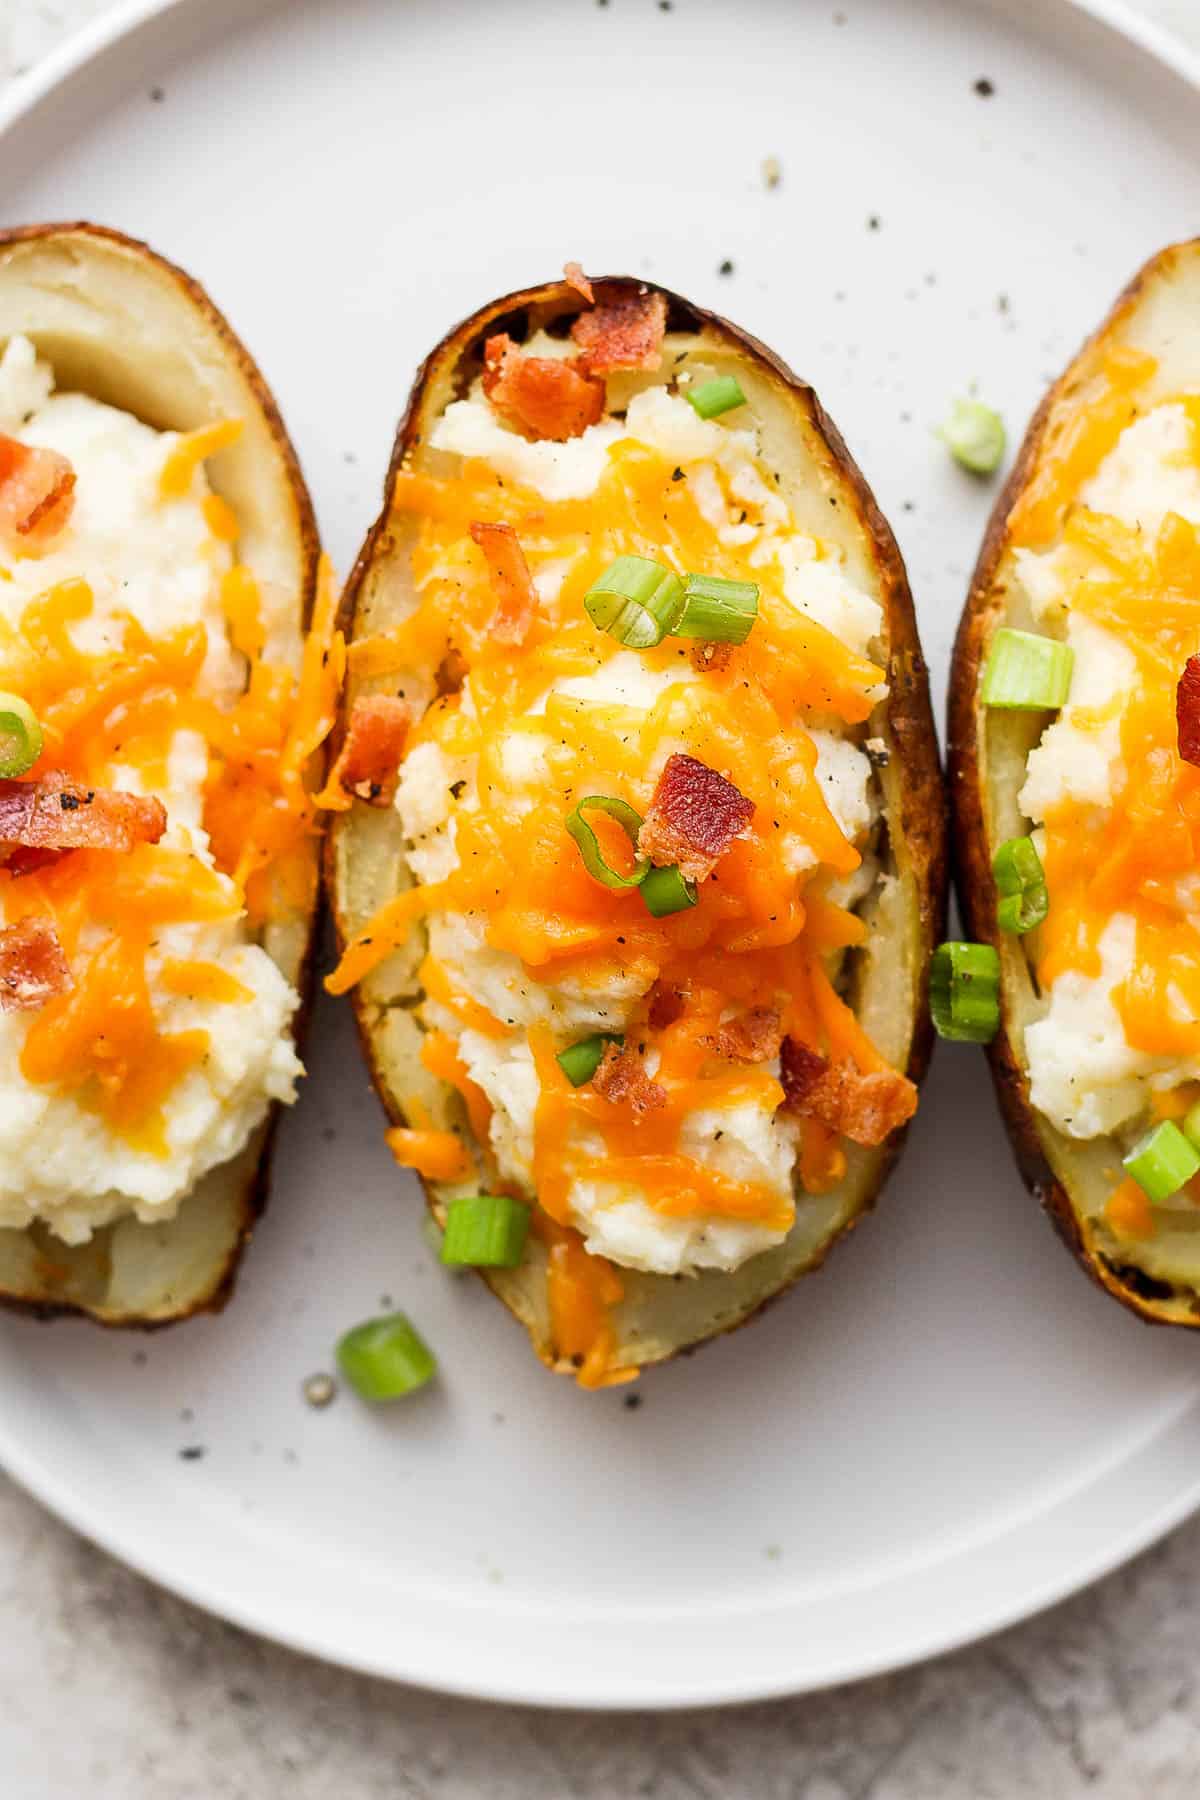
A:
(1119, 955)
(527, 954)
(136, 582)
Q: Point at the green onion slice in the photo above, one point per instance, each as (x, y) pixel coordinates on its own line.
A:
(485, 1231)
(385, 1358)
(719, 611)
(589, 843)
(1025, 670)
(20, 736)
(712, 398)
(637, 601)
(580, 1061)
(665, 891)
(964, 992)
(1163, 1161)
(974, 435)
(1021, 882)
(1191, 1125)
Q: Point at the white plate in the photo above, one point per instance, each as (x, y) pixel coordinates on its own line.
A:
(949, 1427)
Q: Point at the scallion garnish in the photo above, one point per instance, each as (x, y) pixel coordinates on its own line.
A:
(964, 992)
(589, 844)
(385, 1358)
(637, 601)
(1162, 1161)
(719, 611)
(1021, 883)
(1025, 670)
(20, 736)
(974, 435)
(665, 891)
(580, 1061)
(712, 398)
(485, 1231)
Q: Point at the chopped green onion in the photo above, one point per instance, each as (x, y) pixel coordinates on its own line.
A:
(1162, 1161)
(964, 992)
(385, 1358)
(720, 611)
(1191, 1125)
(20, 736)
(720, 395)
(1021, 881)
(974, 435)
(580, 1061)
(1025, 670)
(637, 601)
(665, 891)
(485, 1231)
(589, 844)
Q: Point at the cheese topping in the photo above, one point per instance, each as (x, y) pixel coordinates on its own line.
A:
(526, 952)
(1118, 957)
(132, 638)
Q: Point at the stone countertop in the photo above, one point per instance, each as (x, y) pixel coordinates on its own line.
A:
(113, 1689)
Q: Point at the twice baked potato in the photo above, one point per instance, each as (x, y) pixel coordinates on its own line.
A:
(639, 946)
(158, 846)
(1073, 751)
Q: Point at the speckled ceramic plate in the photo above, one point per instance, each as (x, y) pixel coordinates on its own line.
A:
(949, 1427)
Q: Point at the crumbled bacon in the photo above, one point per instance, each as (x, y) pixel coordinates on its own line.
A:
(622, 1079)
(753, 1037)
(667, 1003)
(575, 277)
(56, 813)
(32, 965)
(865, 1108)
(543, 396)
(694, 817)
(622, 334)
(714, 657)
(37, 495)
(451, 672)
(516, 597)
(369, 760)
(1187, 711)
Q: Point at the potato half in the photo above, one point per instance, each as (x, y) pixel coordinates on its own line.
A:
(122, 325)
(660, 1315)
(1158, 313)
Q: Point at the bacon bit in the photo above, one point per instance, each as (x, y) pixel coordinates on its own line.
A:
(575, 277)
(621, 1079)
(516, 596)
(755, 1037)
(1187, 711)
(56, 813)
(667, 1004)
(543, 396)
(694, 817)
(865, 1108)
(37, 495)
(368, 763)
(32, 965)
(622, 334)
(710, 657)
(451, 672)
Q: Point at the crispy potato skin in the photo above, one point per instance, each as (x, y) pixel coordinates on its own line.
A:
(906, 716)
(84, 240)
(972, 852)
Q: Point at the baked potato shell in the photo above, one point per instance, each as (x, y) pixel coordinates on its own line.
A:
(366, 857)
(123, 325)
(988, 749)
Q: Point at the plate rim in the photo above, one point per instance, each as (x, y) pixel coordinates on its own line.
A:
(22, 1461)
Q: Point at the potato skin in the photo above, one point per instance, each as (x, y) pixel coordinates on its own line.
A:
(1151, 1300)
(160, 283)
(916, 797)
